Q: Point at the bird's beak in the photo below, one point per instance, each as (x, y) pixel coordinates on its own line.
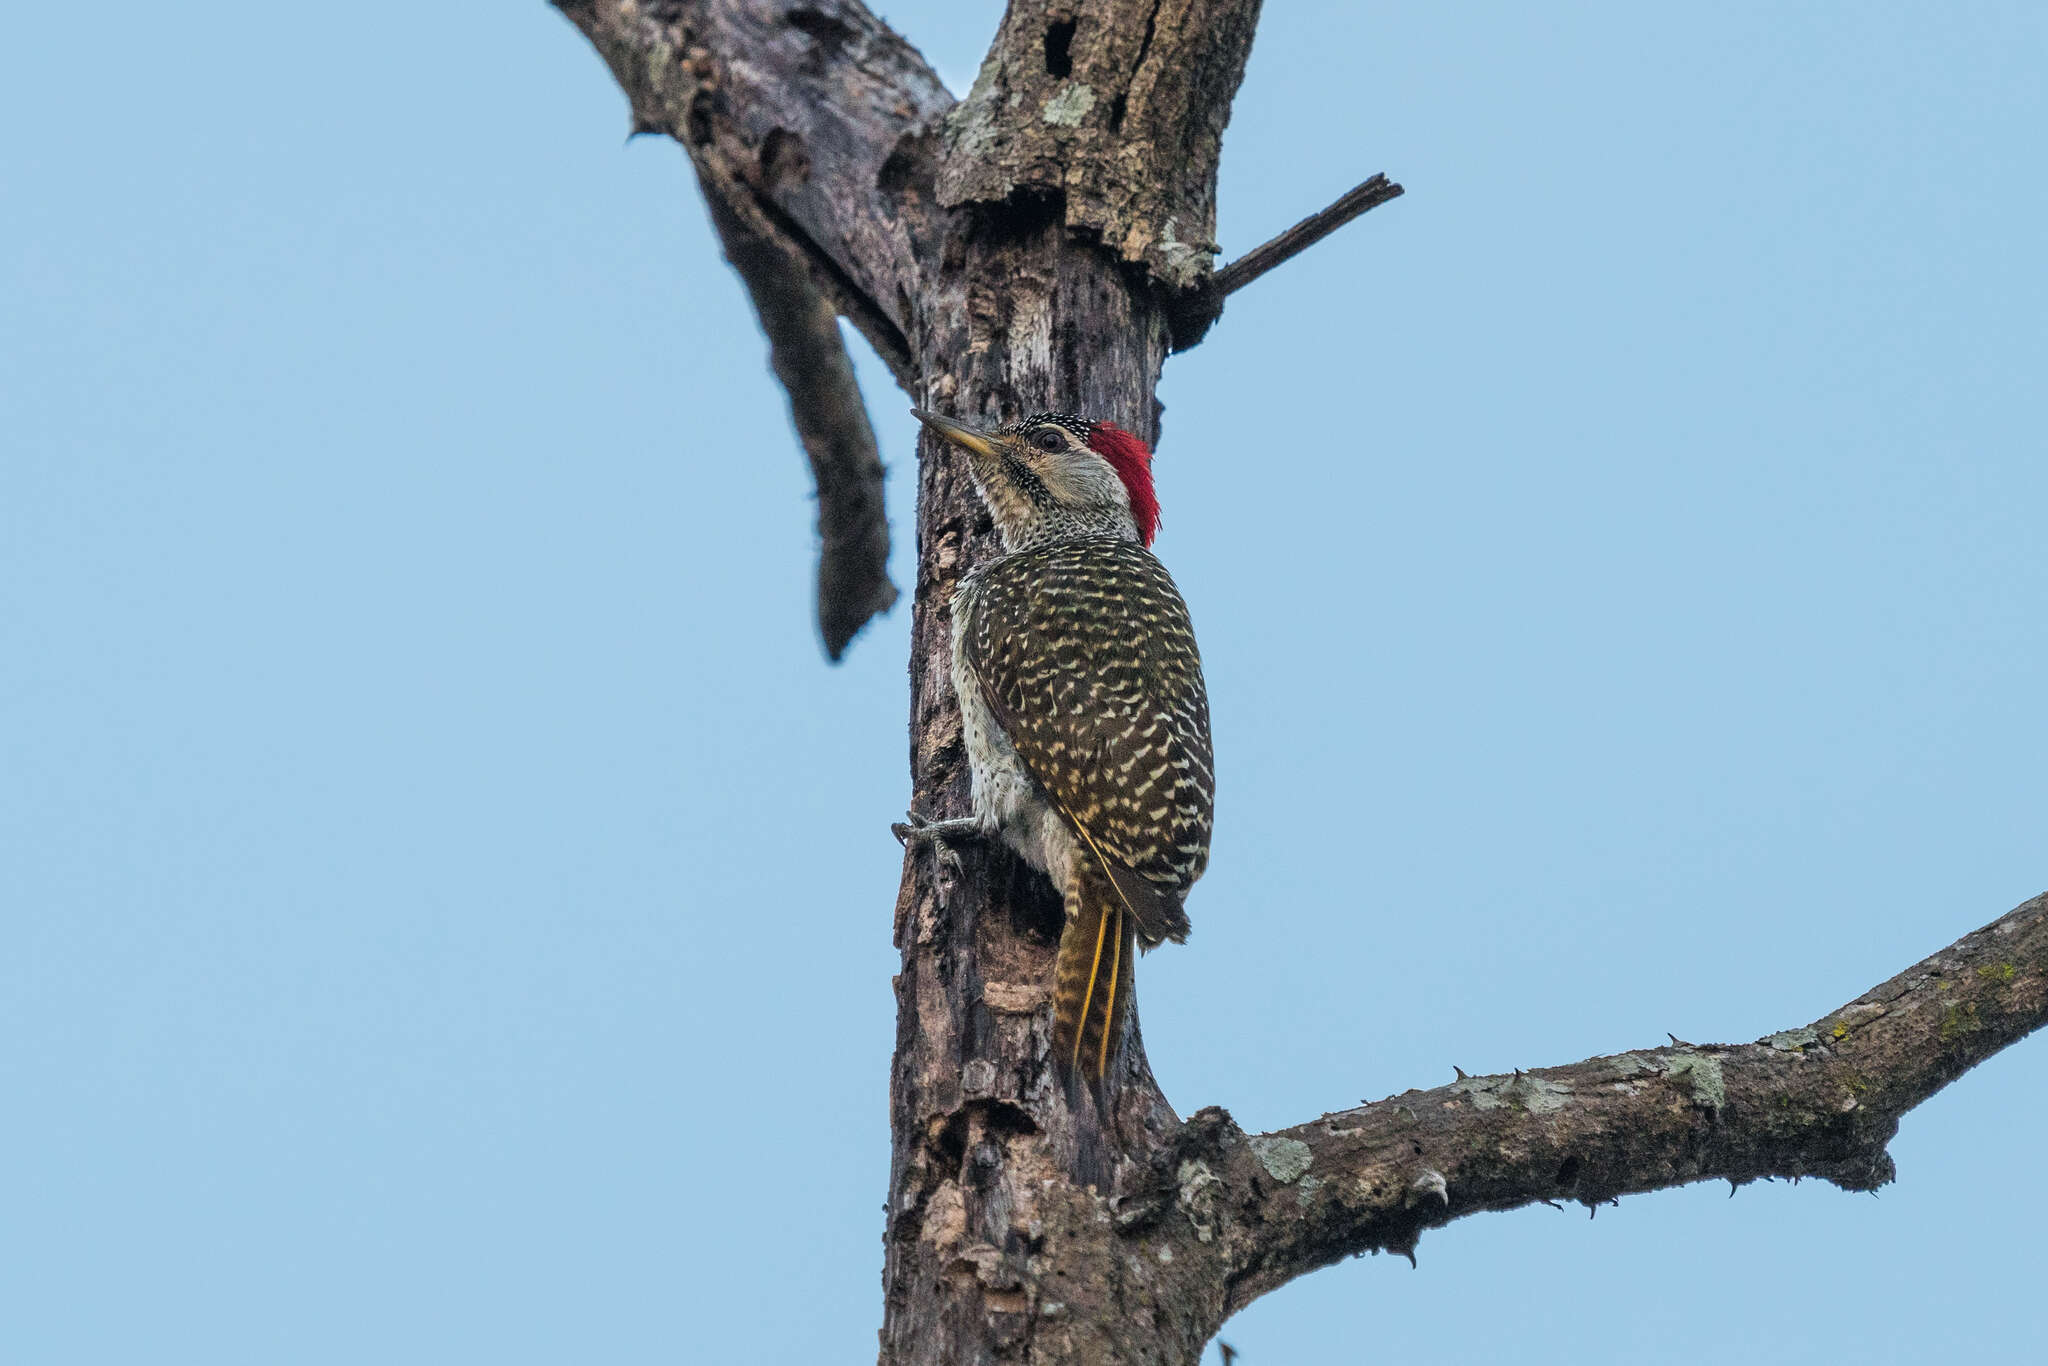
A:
(957, 433)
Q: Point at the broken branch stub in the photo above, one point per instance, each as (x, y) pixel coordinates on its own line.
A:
(1115, 113)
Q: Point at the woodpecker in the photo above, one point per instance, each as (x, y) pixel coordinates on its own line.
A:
(1083, 709)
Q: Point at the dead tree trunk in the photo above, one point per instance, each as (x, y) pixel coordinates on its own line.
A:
(1045, 243)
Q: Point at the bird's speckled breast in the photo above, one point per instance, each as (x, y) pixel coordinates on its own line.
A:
(1007, 800)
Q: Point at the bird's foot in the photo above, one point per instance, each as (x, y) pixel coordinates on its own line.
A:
(915, 829)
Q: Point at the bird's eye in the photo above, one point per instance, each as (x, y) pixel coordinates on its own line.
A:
(1048, 440)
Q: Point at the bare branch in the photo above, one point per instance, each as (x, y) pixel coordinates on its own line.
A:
(809, 357)
(1304, 235)
(1201, 309)
(810, 128)
(812, 123)
(1823, 1100)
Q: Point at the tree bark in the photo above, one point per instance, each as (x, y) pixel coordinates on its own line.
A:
(1043, 243)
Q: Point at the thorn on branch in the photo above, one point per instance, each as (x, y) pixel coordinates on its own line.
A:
(1200, 310)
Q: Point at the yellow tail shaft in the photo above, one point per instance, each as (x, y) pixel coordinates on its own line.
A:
(1093, 978)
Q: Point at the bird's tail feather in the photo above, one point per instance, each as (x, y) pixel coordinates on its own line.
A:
(1093, 979)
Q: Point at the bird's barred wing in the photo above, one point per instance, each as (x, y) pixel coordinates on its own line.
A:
(1086, 660)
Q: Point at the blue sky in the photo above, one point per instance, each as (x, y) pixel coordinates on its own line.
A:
(447, 896)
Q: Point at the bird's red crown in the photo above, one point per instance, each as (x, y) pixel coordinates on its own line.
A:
(1132, 461)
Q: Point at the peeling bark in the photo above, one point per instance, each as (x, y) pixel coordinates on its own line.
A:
(1038, 246)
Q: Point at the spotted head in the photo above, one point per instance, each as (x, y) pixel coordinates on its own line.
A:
(1057, 477)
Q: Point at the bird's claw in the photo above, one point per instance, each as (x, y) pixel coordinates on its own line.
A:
(938, 835)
